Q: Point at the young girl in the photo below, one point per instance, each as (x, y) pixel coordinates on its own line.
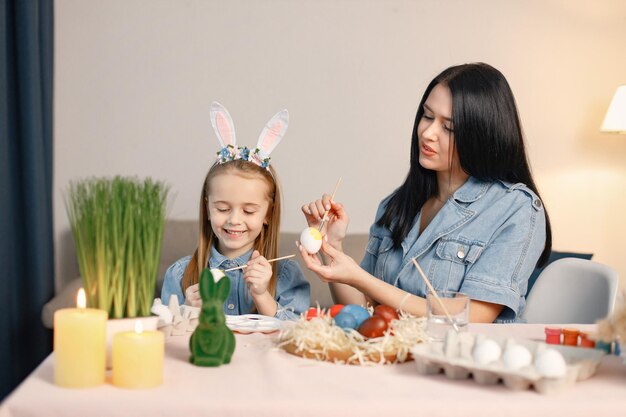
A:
(468, 211)
(239, 225)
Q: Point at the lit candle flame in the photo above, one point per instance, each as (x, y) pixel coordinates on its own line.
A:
(81, 300)
(138, 327)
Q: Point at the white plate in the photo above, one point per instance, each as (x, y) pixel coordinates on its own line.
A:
(251, 323)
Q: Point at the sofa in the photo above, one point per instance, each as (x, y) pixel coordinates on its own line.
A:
(180, 239)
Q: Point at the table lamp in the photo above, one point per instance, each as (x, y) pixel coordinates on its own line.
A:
(615, 119)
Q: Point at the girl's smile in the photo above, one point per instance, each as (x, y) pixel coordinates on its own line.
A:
(234, 234)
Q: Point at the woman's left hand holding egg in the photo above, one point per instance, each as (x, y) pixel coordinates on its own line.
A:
(339, 267)
(258, 274)
(337, 225)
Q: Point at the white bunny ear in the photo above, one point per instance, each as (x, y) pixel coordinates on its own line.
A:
(273, 132)
(223, 125)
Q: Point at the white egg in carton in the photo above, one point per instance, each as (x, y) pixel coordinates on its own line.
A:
(518, 363)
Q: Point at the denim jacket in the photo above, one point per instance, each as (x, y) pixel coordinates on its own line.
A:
(484, 241)
(292, 288)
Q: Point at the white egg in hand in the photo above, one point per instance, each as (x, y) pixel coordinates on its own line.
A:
(311, 240)
(217, 274)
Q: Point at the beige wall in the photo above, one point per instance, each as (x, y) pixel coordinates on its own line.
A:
(134, 79)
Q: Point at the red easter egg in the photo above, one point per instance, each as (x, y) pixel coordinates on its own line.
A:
(334, 310)
(375, 326)
(313, 312)
(386, 312)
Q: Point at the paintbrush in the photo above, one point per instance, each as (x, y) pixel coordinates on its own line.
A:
(430, 287)
(269, 260)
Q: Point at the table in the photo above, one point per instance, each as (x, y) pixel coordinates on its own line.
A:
(265, 381)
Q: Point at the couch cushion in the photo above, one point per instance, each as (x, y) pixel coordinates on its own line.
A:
(180, 238)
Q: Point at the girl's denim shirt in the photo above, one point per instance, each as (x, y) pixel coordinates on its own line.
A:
(292, 288)
(484, 241)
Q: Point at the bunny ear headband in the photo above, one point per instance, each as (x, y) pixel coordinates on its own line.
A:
(270, 137)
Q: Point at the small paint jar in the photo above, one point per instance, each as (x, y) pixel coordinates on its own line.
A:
(585, 341)
(570, 337)
(605, 346)
(553, 335)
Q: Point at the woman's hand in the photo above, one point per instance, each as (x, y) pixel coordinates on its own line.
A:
(192, 296)
(340, 267)
(258, 274)
(336, 226)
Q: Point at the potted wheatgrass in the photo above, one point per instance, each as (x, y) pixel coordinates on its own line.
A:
(117, 224)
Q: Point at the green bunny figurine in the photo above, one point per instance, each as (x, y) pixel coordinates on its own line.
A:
(212, 343)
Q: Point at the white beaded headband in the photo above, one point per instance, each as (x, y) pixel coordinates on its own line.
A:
(270, 137)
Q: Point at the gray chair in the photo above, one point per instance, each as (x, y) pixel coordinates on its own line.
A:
(572, 290)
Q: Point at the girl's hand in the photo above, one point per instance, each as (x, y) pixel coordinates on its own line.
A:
(336, 226)
(258, 274)
(340, 267)
(192, 296)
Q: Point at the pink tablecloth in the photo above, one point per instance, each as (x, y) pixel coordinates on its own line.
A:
(265, 381)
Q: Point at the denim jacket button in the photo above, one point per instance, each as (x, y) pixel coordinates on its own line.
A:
(231, 306)
(460, 254)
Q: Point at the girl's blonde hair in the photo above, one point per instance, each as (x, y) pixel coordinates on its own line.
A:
(267, 241)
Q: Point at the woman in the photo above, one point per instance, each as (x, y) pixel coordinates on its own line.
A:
(468, 211)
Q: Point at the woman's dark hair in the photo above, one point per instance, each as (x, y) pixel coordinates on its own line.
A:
(488, 138)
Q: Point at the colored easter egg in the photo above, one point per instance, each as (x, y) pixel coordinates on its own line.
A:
(334, 310)
(360, 313)
(386, 312)
(345, 321)
(312, 312)
(311, 240)
(374, 326)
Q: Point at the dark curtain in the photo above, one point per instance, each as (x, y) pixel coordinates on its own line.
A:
(26, 236)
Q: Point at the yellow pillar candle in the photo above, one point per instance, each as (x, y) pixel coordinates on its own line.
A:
(138, 358)
(79, 345)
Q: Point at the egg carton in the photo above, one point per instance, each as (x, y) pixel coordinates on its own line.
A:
(174, 319)
(456, 362)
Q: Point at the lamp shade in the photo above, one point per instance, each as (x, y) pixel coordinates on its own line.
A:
(615, 119)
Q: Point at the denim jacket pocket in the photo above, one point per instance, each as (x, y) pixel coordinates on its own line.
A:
(372, 245)
(459, 250)
(378, 245)
(385, 245)
(454, 256)
(380, 248)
